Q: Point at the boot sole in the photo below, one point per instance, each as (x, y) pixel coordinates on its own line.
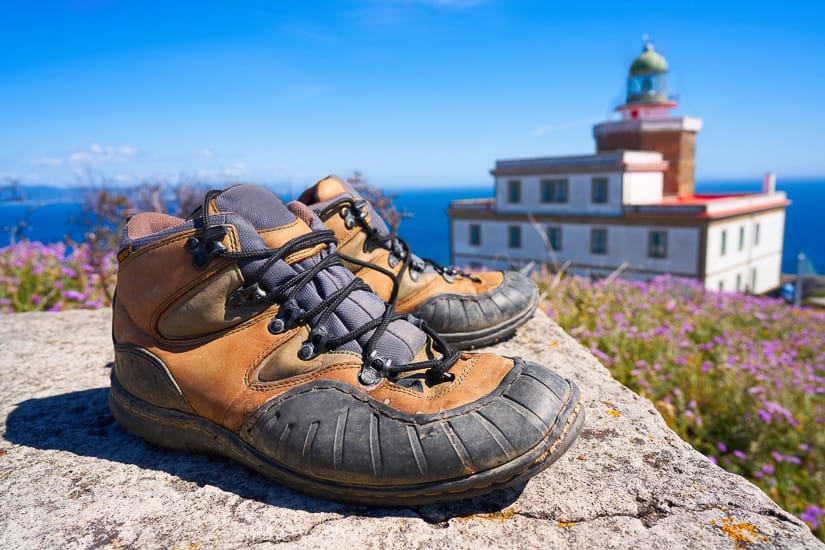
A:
(187, 432)
(490, 335)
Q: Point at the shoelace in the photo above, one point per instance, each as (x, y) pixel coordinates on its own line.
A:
(355, 212)
(290, 314)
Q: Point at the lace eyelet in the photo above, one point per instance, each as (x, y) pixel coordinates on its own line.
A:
(392, 260)
(374, 364)
(369, 377)
(349, 219)
(206, 248)
(289, 315)
(306, 352)
(315, 344)
(246, 295)
(276, 326)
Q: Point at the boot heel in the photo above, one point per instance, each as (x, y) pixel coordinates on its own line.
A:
(164, 427)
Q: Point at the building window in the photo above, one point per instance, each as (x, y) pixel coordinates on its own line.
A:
(514, 191)
(738, 282)
(753, 279)
(554, 190)
(598, 241)
(721, 285)
(514, 236)
(598, 191)
(741, 237)
(475, 234)
(657, 244)
(756, 234)
(475, 266)
(554, 238)
(724, 244)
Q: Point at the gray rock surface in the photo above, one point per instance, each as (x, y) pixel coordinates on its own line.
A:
(71, 477)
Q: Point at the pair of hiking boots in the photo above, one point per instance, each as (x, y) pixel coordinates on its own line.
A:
(243, 332)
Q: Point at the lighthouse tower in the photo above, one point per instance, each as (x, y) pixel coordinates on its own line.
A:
(647, 124)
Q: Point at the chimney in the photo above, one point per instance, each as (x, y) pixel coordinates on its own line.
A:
(769, 183)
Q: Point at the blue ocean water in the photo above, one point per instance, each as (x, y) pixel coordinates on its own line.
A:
(55, 213)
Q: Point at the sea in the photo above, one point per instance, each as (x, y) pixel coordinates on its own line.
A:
(51, 214)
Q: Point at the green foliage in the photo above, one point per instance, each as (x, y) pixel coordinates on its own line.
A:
(741, 378)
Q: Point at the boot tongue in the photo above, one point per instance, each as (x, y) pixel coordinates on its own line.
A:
(331, 189)
(276, 223)
(272, 224)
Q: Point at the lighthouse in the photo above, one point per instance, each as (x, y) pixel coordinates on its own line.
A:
(630, 209)
(648, 125)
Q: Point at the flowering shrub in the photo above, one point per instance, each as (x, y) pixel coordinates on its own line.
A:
(741, 378)
(51, 277)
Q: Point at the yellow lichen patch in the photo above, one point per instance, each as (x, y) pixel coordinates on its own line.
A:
(614, 412)
(608, 402)
(2, 453)
(742, 533)
(554, 344)
(501, 516)
(565, 524)
(582, 457)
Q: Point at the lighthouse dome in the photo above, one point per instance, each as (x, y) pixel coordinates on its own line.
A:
(649, 62)
(647, 78)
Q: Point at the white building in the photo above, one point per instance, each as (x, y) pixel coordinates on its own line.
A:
(628, 210)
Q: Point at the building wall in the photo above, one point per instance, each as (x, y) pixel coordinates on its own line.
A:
(678, 147)
(579, 195)
(766, 256)
(766, 270)
(624, 243)
(642, 187)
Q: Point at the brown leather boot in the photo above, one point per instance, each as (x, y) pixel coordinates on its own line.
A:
(467, 310)
(240, 333)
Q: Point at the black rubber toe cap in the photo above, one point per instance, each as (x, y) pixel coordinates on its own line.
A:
(470, 321)
(331, 431)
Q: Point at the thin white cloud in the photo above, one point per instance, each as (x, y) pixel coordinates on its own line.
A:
(99, 154)
(206, 153)
(46, 161)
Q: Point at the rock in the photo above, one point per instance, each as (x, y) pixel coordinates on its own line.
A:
(70, 476)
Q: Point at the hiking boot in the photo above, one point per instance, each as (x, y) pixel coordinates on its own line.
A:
(467, 310)
(240, 333)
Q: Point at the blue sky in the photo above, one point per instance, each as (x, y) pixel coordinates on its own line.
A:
(410, 92)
